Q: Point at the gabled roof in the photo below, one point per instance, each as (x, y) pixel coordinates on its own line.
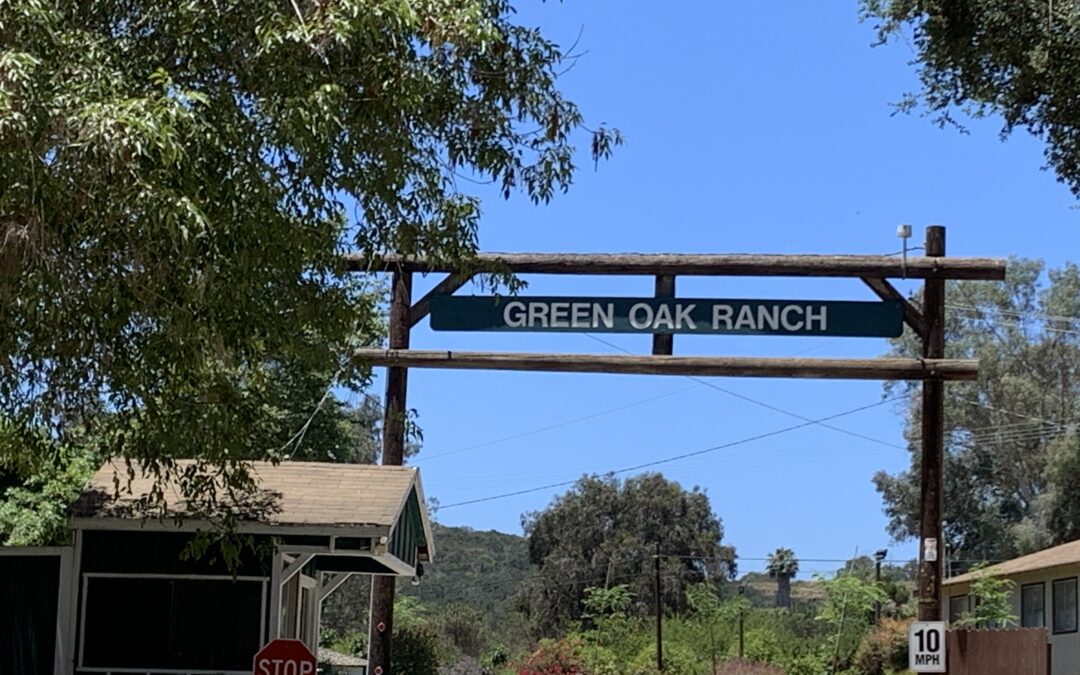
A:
(1065, 554)
(293, 496)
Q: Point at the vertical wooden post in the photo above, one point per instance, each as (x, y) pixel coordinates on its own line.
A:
(933, 440)
(664, 343)
(742, 625)
(659, 606)
(393, 453)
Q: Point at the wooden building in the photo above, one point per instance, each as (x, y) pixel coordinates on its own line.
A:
(127, 599)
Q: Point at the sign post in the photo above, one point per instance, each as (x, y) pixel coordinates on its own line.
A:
(926, 647)
(284, 657)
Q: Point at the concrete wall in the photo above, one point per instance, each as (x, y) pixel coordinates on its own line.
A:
(1066, 646)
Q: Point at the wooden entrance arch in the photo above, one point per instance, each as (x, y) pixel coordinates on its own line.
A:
(928, 322)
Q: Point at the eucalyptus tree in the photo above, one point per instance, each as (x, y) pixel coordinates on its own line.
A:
(178, 181)
(1012, 453)
(1017, 59)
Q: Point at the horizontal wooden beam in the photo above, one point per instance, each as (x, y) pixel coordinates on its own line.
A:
(747, 265)
(886, 291)
(711, 366)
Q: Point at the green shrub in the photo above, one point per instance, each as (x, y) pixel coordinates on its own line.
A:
(416, 651)
(555, 657)
(809, 663)
(678, 660)
(743, 667)
(600, 660)
(883, 649)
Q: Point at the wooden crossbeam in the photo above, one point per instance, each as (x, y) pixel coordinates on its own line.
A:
(447, 286)
(705, 366)
(652, 264)
(886, 291)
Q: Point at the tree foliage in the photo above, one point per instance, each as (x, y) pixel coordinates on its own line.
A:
(992, 601)
(605, 532)
(178, 181)
(1011, 447)
(1019, 59)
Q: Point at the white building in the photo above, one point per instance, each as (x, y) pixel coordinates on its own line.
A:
(1045, 595)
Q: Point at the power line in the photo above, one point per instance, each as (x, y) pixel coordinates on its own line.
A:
(1014, 313)
(767, 406)
(686, 455)
(557, 425)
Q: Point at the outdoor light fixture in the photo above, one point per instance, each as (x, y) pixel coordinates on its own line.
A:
(904, 232)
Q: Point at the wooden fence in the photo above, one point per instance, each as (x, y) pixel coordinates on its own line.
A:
(1018, 651)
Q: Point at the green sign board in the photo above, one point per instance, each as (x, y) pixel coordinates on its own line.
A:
(652, 315)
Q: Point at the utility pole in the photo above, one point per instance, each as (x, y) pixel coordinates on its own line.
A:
(933, 443)
(742, 631)
(659, 611)
(381, 621)
(878, 557)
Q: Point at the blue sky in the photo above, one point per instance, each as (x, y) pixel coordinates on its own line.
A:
(749, 127)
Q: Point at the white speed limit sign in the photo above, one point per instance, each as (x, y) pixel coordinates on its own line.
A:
(926, 647)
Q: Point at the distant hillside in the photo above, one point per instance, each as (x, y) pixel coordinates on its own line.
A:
(480, 569)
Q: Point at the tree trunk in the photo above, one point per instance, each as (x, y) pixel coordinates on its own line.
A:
(783, 590)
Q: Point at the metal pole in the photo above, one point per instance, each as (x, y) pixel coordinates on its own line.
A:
(381, 622)
(659, 611)
(933, 440)
(877, 584)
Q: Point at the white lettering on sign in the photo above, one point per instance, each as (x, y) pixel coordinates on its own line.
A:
(641, 316)
(746, 319)
(768, 316)
(721, 313)
(786, 322)
(518, 314)
(682, 316)
(791, 318)
(665, 316)
(579, 315)
(514, 314)
(820, 317)
(284, 667)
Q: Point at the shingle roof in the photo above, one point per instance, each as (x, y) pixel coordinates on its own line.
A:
(290, 493)
(1065, 554)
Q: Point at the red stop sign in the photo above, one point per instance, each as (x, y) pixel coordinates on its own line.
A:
(284, 657)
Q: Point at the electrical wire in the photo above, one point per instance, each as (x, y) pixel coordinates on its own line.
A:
(675, 458)
(557, 425)
(767, 406)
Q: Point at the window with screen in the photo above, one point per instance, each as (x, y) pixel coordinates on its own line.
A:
(210, 625)
(1033, 605)
(1065, 617)
(958, 607)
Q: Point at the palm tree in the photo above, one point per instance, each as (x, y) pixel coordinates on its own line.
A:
(782, 566)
